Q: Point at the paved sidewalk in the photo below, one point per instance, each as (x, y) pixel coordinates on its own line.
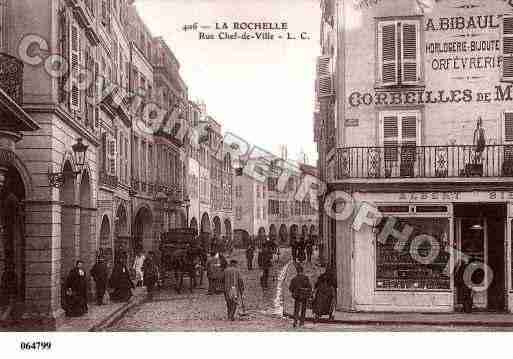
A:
(477, 319)
(99, 317)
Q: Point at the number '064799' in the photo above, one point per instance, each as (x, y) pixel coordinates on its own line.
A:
(35, 345)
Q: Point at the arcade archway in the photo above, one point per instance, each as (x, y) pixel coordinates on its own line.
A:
(12, 242)
(283, 233)
(87, 242)
(69, 252)
(194, 224)
(272, 231)
(217, 227)
(142, 240)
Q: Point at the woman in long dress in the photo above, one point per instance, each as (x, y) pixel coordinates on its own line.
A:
(138, 268)
(76, 292)
(121, 283)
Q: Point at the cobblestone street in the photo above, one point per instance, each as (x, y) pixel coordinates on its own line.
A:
(169, 311)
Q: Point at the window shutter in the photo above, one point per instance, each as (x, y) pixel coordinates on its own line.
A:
(105, 151)
(409, 130)
(324, 84)
(387, 52)
(410, 53)
(74, 67)
(508, 128)
(65, 52)
(507, 66)
(112, 156)
(390, 137)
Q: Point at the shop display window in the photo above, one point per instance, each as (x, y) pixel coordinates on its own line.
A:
(397, 264)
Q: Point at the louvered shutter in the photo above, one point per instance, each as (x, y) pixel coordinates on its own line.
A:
(65, 52)
(387, 53)
(409, 130)
(74, 67)
(390, 137)
(507, 31)
(324, 83)
(507, 137)
(508, 128)
(112, 156)
(105, 151)
(97, 85)
(410, 52)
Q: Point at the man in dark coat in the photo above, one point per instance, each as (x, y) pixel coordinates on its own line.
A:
(150, 274)
(100, 274)
(309, 248)
(121, 283)
(265, 263)
(301, 291)
(250, 254)
(76, 292)
(233, 288)
(300, 250)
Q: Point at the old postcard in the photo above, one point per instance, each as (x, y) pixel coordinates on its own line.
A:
(255, 166)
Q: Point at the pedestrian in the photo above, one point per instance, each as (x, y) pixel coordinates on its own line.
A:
(233, 288)
(138, 264)
(100, 274)
(309, 248)
(301, 291)
(325, 294)
(300, 250)
(265, 263)
(293, 247)
(250, 254)
(76, 291)
(150, 274)
(121, 283)
(213, 267)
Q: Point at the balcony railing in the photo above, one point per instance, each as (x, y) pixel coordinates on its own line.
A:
(108, 180)
(11, 77)
(421, 162)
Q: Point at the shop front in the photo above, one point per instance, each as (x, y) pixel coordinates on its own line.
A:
(410, 261)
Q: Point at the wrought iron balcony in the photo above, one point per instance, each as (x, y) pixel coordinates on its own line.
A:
(448, 161)
(108, 180)
(11, 77)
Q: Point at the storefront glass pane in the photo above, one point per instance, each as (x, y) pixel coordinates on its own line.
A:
(397, 264)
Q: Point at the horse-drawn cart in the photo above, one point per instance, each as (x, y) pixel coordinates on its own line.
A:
(181, 255)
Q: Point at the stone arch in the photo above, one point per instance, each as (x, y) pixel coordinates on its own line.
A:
(13, 160)
(205, 223)
(228, 228)
(12, 240)
(313, 230)
(283, 233)
(241, 238)
(194, 224)
(217, 226)
(272, 231)
(142, 230)
(105, 241)
(304, 230)
(294, 229)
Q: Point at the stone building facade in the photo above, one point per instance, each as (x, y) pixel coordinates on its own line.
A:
(107, 66)
(422, 122)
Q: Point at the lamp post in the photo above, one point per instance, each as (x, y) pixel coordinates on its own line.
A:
(57, 179)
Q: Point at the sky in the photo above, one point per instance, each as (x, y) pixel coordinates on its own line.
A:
(261, 90)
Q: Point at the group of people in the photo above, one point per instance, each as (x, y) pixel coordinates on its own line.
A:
(302, 249)
(322, 295)
(265, 259)
(119, 280)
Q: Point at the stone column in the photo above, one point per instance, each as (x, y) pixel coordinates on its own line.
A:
(43, 264)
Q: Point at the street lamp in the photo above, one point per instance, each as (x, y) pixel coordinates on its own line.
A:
(57, 179)
(187, 204)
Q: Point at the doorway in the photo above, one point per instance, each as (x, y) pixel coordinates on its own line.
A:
(481, 236)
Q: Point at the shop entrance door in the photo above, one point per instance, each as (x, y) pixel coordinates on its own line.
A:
(480, 235)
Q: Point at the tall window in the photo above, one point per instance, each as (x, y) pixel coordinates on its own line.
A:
(399, 58)
(399, 129)
(507, 39)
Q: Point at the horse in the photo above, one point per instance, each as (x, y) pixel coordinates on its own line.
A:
(188, 262)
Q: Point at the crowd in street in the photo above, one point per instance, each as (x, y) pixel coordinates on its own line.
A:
(224, 277)
(118, 281)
